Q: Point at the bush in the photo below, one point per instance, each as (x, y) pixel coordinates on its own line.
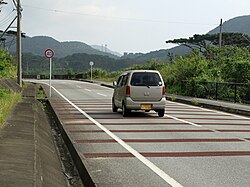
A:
(7, 67)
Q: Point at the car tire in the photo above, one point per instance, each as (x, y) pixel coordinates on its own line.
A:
(125, 111)
(161, 113)
(114, 108)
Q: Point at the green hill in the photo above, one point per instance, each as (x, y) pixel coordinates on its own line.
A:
(38, 44)
(239, 24)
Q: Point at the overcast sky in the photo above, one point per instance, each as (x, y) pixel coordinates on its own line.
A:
(124, 25)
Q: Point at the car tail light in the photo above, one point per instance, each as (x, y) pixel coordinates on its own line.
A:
(128, 91)
(163, 90)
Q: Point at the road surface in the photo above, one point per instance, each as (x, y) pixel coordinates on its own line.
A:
(189, 146)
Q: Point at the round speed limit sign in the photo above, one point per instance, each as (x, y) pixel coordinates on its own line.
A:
(49, 53)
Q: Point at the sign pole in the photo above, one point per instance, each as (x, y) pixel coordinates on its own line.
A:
(50, 62)
(91, 73)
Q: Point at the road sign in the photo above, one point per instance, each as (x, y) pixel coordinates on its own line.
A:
(49, 53)
(91, 64)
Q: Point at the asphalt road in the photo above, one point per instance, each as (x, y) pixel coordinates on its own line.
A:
(189, 147)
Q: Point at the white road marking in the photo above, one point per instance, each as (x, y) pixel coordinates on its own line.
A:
(144, 160)
(208, 110)
(78, 86)
(184, 121)
(102, 95)
(87, 90)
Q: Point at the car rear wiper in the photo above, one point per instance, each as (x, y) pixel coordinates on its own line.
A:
(144, 84)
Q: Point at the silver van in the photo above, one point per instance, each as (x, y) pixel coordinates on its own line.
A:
(139, 90)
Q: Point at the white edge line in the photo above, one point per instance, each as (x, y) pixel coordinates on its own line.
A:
(148, 163)
(184, 121)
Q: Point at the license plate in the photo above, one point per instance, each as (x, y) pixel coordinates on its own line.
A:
(146, 107)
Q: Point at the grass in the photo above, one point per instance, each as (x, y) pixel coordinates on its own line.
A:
(7, 101)
(173, 97)
(195, 102)
(40, 93)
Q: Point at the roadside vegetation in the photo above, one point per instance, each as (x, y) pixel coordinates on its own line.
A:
(7, 99)
(230, 64)
(196, 74)
(7, 66)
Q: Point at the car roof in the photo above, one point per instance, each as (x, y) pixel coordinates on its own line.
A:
(133, 71)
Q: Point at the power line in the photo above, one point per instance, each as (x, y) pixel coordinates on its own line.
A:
(113, 17)
(7, 18)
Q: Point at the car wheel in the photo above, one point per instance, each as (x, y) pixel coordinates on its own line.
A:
(161, 113)
(125, 111)
(114, 108)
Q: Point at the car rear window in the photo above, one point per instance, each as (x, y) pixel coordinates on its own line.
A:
(145, 79)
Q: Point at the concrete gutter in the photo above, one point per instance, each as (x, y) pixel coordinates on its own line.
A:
(79, 163)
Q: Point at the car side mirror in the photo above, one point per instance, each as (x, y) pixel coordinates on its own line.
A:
(115, 84)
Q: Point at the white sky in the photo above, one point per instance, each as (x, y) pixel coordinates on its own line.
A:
(124, 25)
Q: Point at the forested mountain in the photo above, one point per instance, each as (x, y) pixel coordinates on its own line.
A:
(162, 54)
(38, 44)
(102, 48)
(79, 62)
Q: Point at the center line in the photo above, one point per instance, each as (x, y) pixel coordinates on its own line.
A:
(139, 156)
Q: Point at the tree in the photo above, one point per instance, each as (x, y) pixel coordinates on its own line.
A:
(201, 42)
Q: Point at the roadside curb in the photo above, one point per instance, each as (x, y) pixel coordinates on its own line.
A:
(79, 163)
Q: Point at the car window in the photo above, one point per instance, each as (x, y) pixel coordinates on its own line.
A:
(124, 80)
(145, 79)
(119, 82)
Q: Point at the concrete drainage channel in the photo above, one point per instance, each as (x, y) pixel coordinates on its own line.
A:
(69, 156)
(64, 150)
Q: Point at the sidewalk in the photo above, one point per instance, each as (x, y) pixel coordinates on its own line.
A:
(28, 156)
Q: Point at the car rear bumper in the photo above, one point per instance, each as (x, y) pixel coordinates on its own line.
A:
(136, 105)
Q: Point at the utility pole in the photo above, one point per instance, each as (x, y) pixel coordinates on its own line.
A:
(18, 44)
(220, 39)
(106, 48)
